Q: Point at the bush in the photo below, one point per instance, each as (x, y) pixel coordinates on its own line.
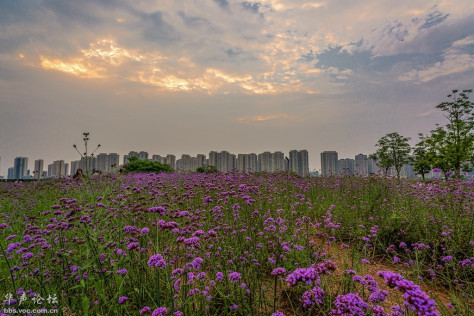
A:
(207, 169)
(136, 165)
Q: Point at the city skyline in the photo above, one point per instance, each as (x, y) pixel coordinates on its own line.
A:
(190, 77)
(224, 161)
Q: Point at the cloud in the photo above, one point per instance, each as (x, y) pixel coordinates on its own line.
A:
(282, 117)
(264, 47)
(222, 3)
(457, 59)
(432, 19)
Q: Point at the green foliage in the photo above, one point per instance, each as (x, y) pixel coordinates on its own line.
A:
(392, 151)
(451, 147)
(421, 161)
(207, 169)
(136, 165)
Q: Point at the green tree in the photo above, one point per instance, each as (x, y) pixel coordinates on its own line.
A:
(392, 151)
(421, 160)
(451, 147)
(207, 169)
(136, 165)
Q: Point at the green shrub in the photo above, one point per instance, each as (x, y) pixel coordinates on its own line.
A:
(136, 165)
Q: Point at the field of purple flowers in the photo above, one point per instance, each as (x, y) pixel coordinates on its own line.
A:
(237, 244)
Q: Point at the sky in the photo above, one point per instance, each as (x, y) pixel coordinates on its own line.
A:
(188, 77)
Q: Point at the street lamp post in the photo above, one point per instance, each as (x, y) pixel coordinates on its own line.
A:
(85, 156)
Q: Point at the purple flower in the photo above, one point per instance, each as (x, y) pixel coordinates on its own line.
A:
(378, 296)
(145, 310)
(234, 277)
(378, 311)
(278, 313)
(144, 231)
(306, 275)
(415, 298)
(176, 285)
(196, 263)
(156, 261)
(133, 245)
(219, 276)
(349, 304)
(27, 256)
(309, 298)
(158, 209)
(130, 230)
(122, 271)
(177, 271)
(160, 311)
(279, 271)
(11, 237)
(122, 299)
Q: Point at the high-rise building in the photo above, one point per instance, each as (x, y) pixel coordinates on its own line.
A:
(114, 161)
(10, 173)
(38, 171)
(143, 155)
(246, 162)
(213, 158)
(158, 158)
(329, 163)
(299, 162)
(265, 162)
(361, 165)
(88, 164)
(171, 160)
(303, 165)
(186, 163)
(103, 162)
(278, 161)
(252, 163)
(131, 154)
(168, 160)
(225, 161)
(294, 160)
(372, 167)
(346, 167)
(201, 160)
(50, 170)
(20, 167)
(58, 169)
(76, 164)
(407, 172)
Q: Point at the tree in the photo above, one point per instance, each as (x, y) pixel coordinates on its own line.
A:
(392, 151)
(137, 165)
(207, 169)
(421, 161)
(451, 147)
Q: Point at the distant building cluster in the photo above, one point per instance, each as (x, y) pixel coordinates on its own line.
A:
(223, 161)
(361, 165)
(267, 162)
